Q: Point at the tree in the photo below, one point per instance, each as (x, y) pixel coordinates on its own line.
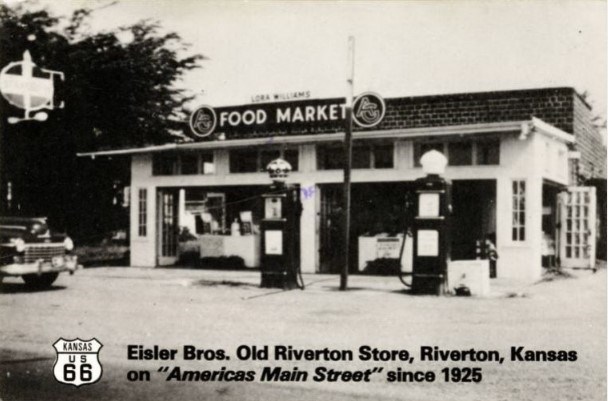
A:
(117, 94)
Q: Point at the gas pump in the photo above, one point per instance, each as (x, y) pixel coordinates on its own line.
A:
(280, 256)
(430, 226)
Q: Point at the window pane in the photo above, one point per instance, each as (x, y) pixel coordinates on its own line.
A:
(330, 157)
(519, 211)
(164, 164)
(421, 148)
(383, 156)
(268, 155)
(142, 227)
(291, 156)
(460, 153)
(189, 163)
(488, 152)
(207, 165)
(243, 161)
(361, 156)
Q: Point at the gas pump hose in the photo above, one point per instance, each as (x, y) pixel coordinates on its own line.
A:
(299, 279)
(401, 272)
(406, 227)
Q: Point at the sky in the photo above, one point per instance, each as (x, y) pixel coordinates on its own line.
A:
(402, 48)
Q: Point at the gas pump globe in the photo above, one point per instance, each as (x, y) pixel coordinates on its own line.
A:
(278, 170)
(432, 208)
(433, 163)
(280, 256)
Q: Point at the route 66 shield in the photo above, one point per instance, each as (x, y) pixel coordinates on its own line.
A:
(77, 361)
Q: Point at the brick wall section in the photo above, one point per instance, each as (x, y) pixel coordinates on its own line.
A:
(588, 140)
(560, 107)
(553, 106)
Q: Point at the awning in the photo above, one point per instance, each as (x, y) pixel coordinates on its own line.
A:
(523, 128)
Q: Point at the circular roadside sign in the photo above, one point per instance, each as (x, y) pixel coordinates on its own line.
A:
(22, 89)
(368, 109)
(203, 121)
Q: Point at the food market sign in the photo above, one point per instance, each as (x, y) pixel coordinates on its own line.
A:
(297, 116)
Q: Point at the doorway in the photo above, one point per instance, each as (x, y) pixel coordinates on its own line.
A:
(473, 216)
(168, 228)
(377, 209)
(331, 232)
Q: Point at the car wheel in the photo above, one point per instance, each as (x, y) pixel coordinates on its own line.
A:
(39, 281)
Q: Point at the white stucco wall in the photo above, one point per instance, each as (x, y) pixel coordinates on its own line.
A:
(143, 249)
(520, 159)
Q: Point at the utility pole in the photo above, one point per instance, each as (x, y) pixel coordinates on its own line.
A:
(348, 150)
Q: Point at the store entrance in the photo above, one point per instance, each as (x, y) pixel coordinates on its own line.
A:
(377, 210)
(473, 216)
(168, 226)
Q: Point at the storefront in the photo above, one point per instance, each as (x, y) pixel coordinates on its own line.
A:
(510, 161)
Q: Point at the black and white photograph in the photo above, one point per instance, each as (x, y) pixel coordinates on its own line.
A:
(306, 200)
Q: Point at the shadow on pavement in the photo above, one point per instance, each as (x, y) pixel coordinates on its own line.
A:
(16, 288)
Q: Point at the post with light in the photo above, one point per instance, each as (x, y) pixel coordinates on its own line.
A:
(431, 226)
(280, 231)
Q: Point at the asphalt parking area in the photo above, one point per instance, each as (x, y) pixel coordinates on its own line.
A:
(225, 310)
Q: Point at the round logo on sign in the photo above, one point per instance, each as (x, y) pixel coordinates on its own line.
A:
(368, 110)
(22, 89)
(203, 121)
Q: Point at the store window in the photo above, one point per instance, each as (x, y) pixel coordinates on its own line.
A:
(256, 160)
(187, 163)
(361, 156)
(206, 163)
(364, 156)
(292, 157)
(421, 148)
(164, 164)
(142, 212)
(519, 211)
(330, 157)
(460, 153)
(488, 152)
(384, 156)
(266, 156)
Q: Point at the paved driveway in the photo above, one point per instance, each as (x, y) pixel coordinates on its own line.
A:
(216, 310)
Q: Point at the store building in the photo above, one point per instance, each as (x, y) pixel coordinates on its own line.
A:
(511, 154)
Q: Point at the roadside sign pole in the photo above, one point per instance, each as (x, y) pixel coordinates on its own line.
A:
(348, 150)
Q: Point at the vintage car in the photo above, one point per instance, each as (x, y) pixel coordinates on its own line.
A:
(30, 250)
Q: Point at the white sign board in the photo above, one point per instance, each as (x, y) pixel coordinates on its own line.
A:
(273, 240)
(428, 205)
(428, 243)
(388, 248)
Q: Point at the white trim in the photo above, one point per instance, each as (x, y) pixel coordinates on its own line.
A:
(130, 151)
(469, 129)
(552, 131)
